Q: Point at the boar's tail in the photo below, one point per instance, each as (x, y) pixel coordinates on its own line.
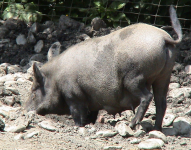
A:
(176, 26)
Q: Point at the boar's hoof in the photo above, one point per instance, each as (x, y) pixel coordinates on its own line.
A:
(133, 123)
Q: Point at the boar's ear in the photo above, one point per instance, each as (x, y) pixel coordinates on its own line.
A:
(37, 74)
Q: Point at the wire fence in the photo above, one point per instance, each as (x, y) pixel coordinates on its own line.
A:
(113, 12)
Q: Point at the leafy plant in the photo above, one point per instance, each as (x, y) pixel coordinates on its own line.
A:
(113, 12)
(27, 12)
(108, 11)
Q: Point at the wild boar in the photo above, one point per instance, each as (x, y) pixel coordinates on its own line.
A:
(114, 72)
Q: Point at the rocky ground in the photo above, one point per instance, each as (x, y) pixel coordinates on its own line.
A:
(21, 45)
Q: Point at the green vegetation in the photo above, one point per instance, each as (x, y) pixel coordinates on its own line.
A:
(113, 12)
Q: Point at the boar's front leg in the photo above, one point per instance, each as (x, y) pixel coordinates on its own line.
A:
(81, 113)
(92, 116)
(137, 86)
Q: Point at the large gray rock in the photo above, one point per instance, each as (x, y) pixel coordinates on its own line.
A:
(21, 86)
(151, 144)
(170, 131)
(21, 121)
(182, 126)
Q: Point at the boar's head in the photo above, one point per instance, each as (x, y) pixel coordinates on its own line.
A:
(45, 98)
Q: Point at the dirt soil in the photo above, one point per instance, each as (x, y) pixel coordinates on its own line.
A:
(67, 135)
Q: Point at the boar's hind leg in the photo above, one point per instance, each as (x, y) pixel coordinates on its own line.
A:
(160, 89)
(137, 86)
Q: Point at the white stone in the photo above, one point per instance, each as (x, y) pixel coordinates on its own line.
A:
(181, 125)
(9, 100)
(8, 77)
(30, 135)
(38, 47)
(151, 144)
(176, 93)
(19, 136)
(16, 129)
(135, 141)
(151, 111)
(48, 125)
(139, 133)
(188, 69)
(21, 40)
(158, 135)
(168, 119)
(8, 108)
(112, 147)
(123, 129)
(174, 86)
(106, 133)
